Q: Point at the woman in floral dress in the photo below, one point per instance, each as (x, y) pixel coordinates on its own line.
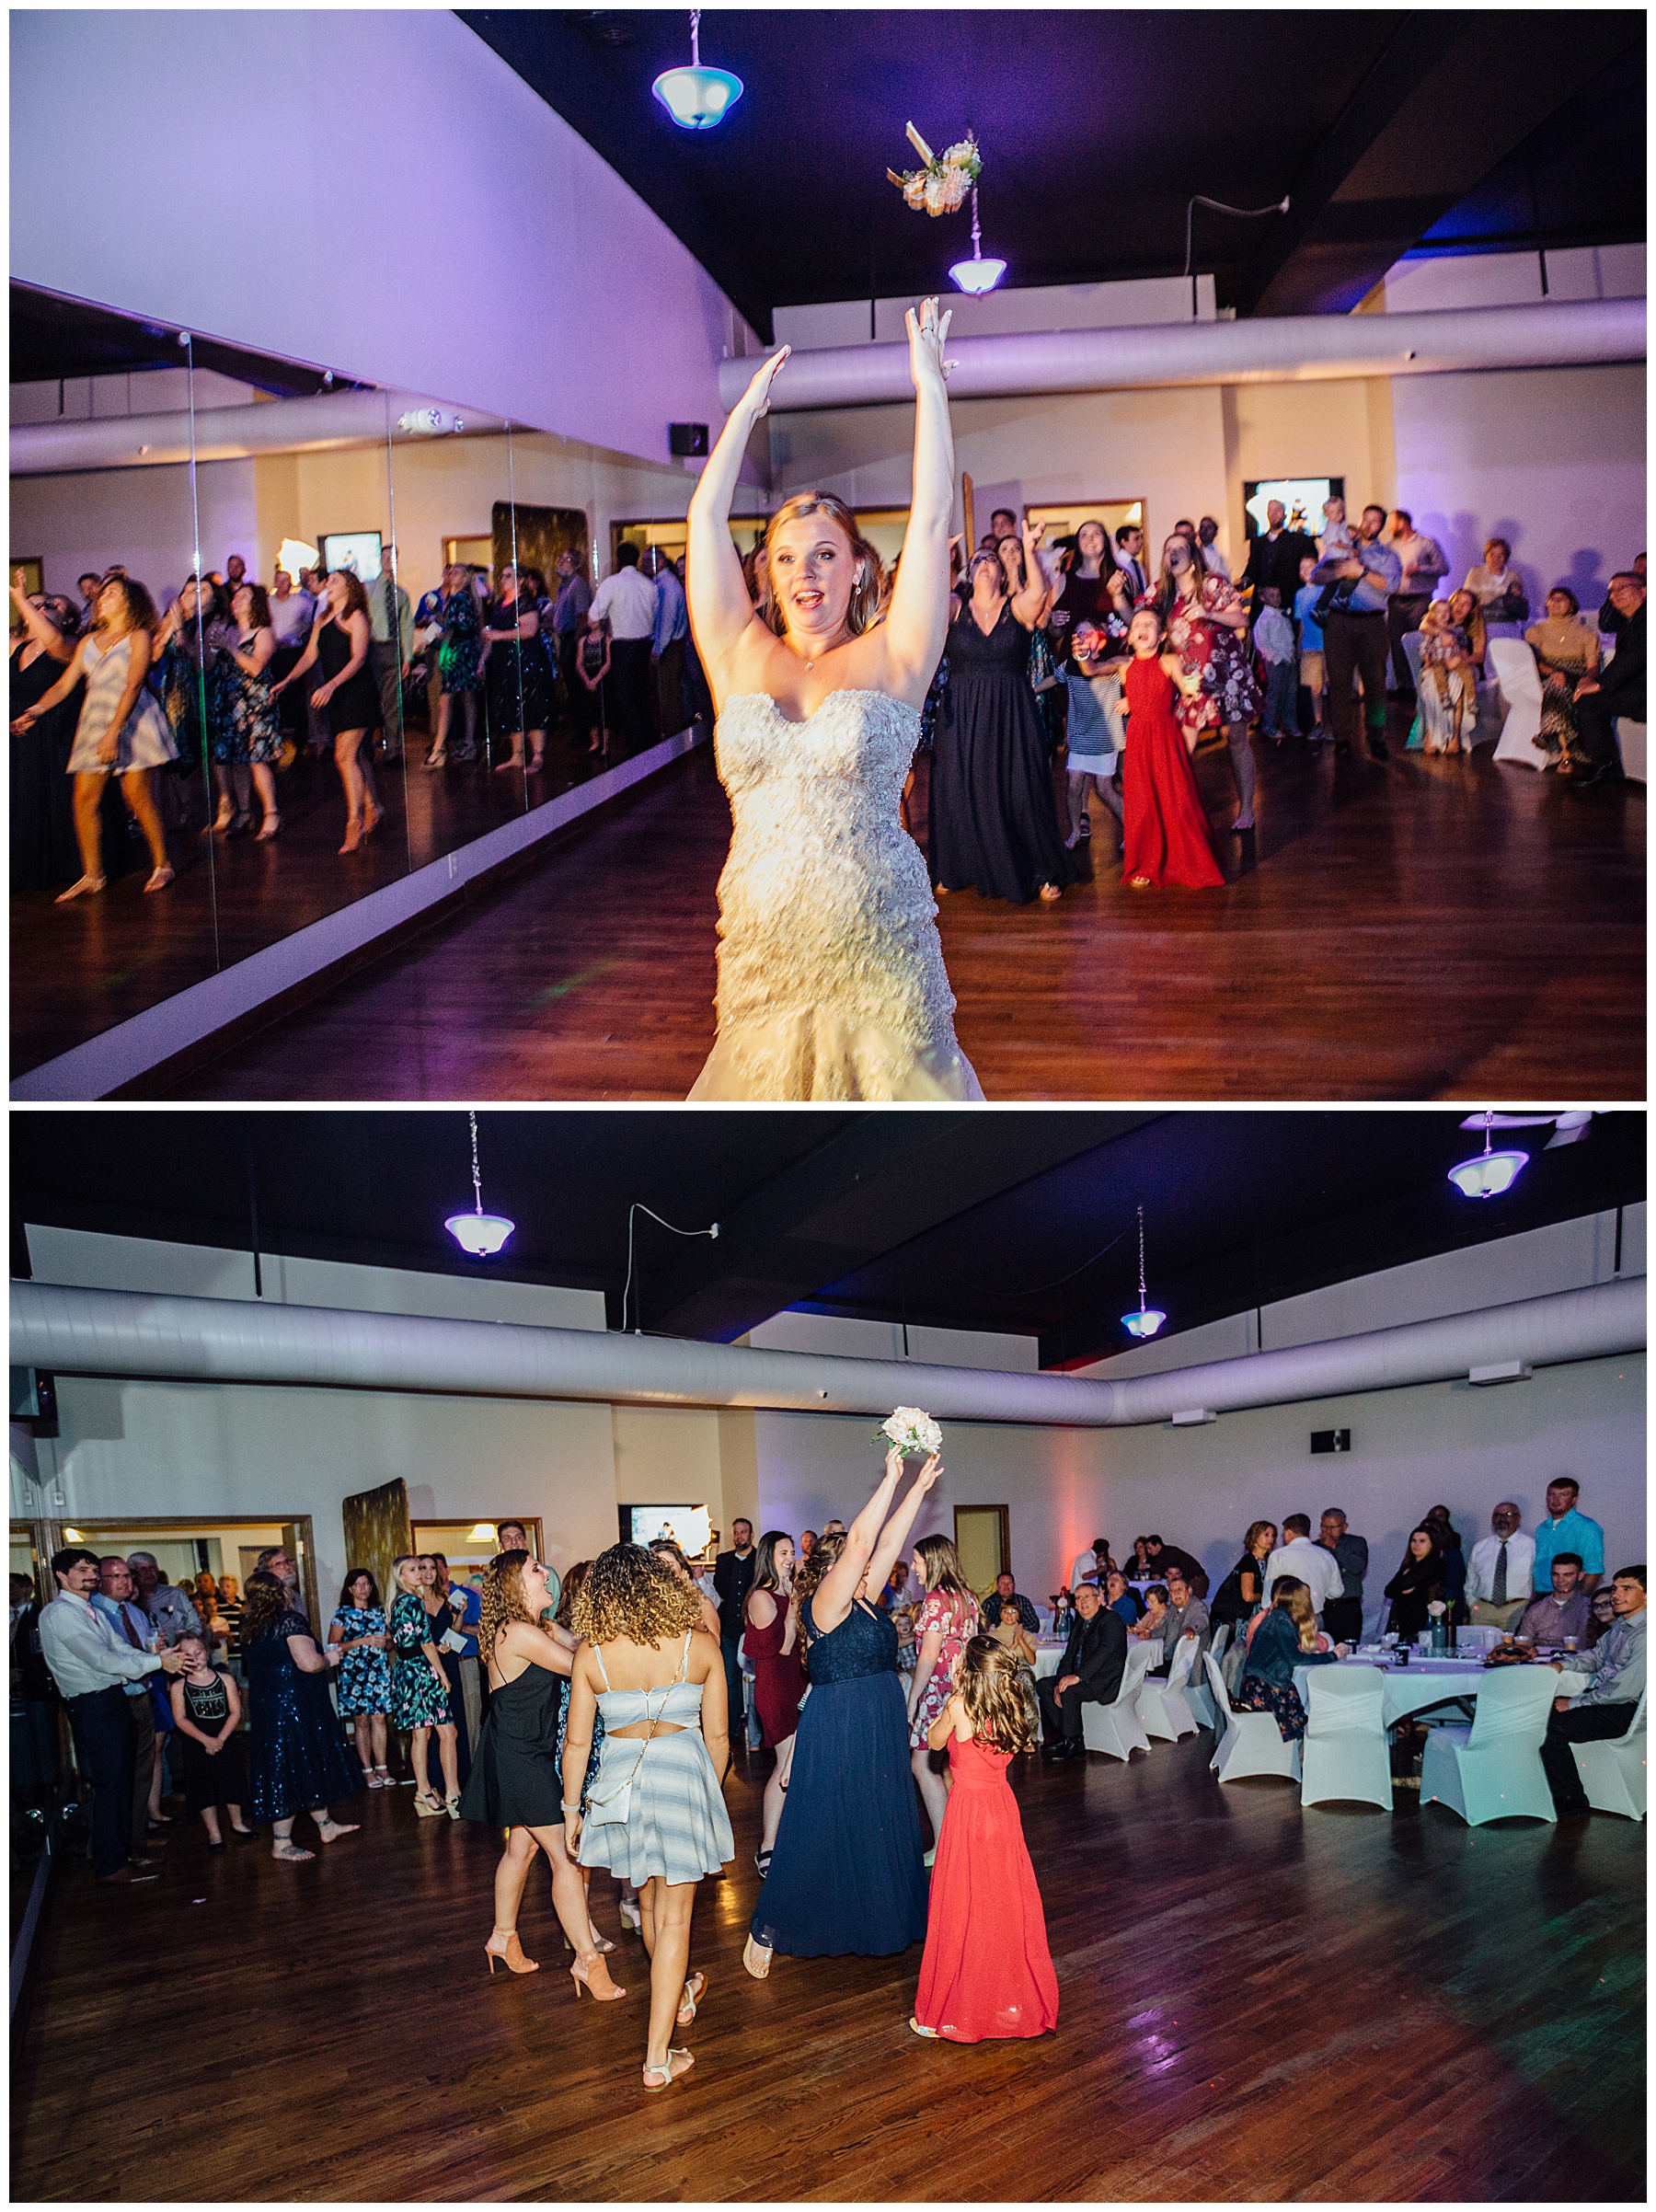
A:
(945, 1624)
(419, 1692)
(1207, 628)
(359, 1628)
(459, 664)
(243, 722)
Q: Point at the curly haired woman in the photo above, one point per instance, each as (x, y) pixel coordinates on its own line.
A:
(655, 1814)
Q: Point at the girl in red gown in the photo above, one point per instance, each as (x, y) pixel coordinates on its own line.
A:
(1165, 837)
(987, 1971)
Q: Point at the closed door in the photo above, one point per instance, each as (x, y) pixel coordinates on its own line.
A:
(980, 1538)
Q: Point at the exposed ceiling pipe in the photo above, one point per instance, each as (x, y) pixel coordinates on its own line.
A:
(1280, 350)
(233, 433)
(128, 1334)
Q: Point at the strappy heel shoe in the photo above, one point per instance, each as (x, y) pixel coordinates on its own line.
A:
(452, 1806)
(511, 1956)
(631, 1916)
(428, 1804)
(593, 1975)
(665, 2076)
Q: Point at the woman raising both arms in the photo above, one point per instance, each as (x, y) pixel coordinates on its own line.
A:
(830, 980)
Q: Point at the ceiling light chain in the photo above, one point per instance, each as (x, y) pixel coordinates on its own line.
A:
(1488, 1174)
(1148, 1318)
(479, 1235)
(699, 96)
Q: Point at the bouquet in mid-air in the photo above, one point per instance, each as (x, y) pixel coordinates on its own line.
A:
(915, 1434)
(941, 186)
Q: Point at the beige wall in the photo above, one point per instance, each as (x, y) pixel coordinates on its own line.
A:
(1303, 430)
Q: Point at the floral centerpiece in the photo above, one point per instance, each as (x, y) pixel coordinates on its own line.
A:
(914, 1432)
(942, 184)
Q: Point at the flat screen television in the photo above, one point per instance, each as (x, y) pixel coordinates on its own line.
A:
(1303, 498)
(357, 550)
(688, 1525)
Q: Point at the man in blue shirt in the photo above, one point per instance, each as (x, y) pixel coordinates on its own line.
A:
(1354, 633)
(1606, 1708)
(667, 643)
(1565, 1529)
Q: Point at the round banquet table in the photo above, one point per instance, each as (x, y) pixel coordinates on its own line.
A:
(1049, 1650)
(1427, 1682)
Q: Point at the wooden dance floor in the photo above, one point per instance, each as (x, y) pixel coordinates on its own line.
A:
(1256, 2004)
(1434, 928)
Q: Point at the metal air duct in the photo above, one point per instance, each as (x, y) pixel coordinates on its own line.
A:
(128, 1334)
(1281, 350)
(233, 433)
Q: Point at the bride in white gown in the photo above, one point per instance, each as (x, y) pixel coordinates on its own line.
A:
(830, 980)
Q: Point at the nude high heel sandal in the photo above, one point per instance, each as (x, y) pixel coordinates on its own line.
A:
(511, 1956)
(428, 1805)
(593, 1975)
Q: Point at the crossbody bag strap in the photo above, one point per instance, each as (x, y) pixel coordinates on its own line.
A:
(655, 1720)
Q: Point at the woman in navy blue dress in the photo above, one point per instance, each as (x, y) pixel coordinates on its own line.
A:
(298, 1755)
(847, 1873)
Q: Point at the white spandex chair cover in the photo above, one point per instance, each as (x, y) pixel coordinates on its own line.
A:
(1164, 1708)
(1492, 1770)
(1630, 743)
(1185, 1678)
(1115, 1728)
(1252, 1743)
(1613, 1772)
(1515, 666)
(1345, 1755)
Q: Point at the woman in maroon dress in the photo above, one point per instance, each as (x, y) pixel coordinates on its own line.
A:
(1207, 628)
(773, 1645)
(987, 1971)
(1165, 837)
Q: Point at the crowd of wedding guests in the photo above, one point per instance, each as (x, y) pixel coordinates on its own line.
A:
(1085, 652)
(235, 682)
(1295, 1600)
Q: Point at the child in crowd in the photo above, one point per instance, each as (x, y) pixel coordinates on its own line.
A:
(1310, 649)
(1096, 733)
(1274, 641)
(987, 1971)
(1337, 538)
(1164, 835)
(207, 1711)
(1448, 694)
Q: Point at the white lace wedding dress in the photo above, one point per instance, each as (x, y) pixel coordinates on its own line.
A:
(830, 981)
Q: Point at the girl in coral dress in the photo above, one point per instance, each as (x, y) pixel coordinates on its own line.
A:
(987, 1971)
(1165, 837)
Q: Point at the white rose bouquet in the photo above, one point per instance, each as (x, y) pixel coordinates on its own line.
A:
(915, 1434)
(942, 184)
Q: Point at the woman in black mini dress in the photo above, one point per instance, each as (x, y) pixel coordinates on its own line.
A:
(347, 695)
(520, 676)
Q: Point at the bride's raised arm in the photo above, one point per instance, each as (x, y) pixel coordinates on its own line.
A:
(916, 624)
(720, 610)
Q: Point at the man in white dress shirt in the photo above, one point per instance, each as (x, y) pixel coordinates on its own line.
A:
(1501, 1572)
(1318, 1568)
(627, 601)
(92, 1665)
(1091, 1566)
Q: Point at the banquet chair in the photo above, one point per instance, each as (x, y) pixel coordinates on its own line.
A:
(1163, 1708)
(1630, 744)
(1345, 1750)
(1183, 1677)
(1252, 1743)
(1613, 1772)
(1492, 1770)
(1115, 1728)
(1520, 680)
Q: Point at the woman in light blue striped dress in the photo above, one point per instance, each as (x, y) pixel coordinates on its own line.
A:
(655, 1816)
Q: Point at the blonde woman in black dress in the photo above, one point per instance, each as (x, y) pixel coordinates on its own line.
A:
(515, 1782)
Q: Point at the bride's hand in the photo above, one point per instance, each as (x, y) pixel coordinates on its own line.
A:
(757, 396)
(927, 334)
(931, 1472)
(893, 1464)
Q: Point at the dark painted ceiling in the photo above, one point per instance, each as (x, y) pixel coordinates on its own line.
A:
(1021, 1221)
(1097, 125)
(52, 336)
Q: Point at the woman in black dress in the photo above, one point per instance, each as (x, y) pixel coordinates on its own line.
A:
(516, 1781)
(347, 695)
(994, 823)
(1417, 1582)
(519, 683)
(298, 1755)
(44, 851)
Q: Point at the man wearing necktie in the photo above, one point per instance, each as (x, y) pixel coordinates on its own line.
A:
(1089, 1672)
(391, 645)
(1499, 1575)
(92, 1663)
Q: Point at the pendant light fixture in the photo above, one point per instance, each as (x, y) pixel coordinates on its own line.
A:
(1488, 1174)
(1148, 1318)
(697, 97)
(479, 1235)
(982, 272)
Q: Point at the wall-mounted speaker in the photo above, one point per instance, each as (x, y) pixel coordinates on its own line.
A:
(1330, 1440)
(688, 440)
